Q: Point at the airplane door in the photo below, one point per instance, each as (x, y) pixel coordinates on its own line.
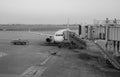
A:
(66, 35)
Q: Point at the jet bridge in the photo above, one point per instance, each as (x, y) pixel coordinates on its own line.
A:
(74, 40)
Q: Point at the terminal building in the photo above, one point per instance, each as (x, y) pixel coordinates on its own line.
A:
(107, 30)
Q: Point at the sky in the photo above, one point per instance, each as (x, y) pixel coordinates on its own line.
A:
(57, 11)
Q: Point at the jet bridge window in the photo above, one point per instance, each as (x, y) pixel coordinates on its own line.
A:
(59, 34)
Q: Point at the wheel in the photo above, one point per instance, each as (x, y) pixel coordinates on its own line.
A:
(59, 46)
(70, 47)
(14, 43)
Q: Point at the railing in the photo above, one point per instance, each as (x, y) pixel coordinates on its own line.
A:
(77, 40)
(110, 57)
(81, 43)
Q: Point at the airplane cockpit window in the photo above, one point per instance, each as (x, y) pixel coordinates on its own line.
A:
(59, 34)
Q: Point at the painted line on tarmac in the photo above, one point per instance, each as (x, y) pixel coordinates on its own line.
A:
(34, 71)
(46, 60)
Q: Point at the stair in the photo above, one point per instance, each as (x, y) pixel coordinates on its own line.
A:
(77, 40)
(110, 57)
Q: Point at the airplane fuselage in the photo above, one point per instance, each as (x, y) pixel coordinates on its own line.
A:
(58, 36)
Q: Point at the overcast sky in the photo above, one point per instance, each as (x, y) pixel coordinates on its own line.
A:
(57, 11)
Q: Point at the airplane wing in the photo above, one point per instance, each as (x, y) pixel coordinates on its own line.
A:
(42, 34)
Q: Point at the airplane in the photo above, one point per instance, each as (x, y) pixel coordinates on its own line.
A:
(62, 38)
(58, 36)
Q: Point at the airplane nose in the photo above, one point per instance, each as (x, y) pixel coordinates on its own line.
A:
(58, 39)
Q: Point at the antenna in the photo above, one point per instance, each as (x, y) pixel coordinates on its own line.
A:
(68, 23)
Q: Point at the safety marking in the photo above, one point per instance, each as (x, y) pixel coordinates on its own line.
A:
(34, 71)
(45, 61)
(2, 54)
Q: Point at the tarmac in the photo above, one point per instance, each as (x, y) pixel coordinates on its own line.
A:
(36, 60)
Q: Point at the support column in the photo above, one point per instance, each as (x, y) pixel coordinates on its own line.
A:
(106, 31)
(80, 30)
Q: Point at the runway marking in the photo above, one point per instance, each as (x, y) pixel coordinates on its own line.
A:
(45, 61)
(34, 71)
